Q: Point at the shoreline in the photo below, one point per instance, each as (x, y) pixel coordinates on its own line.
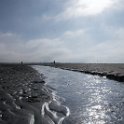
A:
(24, 97)
(111, 71)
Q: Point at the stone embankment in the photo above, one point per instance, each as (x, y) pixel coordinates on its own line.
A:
(111, 71)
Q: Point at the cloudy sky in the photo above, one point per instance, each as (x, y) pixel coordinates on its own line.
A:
(62, 30)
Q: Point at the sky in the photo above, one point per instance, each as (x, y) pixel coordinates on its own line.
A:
(87, 31)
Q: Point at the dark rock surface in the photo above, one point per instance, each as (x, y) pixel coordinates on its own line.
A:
(24, 97)
(21, 98)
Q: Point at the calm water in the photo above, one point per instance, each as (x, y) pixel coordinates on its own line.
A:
(91, 99)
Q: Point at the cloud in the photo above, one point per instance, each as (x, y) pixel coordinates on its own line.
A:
(15, 49)
(69, 31)
(74, 33)
(86, 8)
(71, 46)
(85, 48)
(82, 8)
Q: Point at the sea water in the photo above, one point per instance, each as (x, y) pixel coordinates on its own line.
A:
(91, 99)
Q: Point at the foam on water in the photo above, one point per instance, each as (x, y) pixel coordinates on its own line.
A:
(32, 120)
(53, 113)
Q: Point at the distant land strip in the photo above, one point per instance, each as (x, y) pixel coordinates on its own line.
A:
(111, 71)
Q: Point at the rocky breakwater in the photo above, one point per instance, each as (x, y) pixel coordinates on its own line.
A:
(111, 71)
(25, 99)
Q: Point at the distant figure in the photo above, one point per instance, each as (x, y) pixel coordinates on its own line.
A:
(21, 62)
(54, 62)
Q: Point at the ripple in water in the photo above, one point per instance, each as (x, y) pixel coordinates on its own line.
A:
(91, 99)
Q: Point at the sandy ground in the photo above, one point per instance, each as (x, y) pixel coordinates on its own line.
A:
(111, 71)
(25, 99)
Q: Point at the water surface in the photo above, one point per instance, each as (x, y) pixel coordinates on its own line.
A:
(91, 99)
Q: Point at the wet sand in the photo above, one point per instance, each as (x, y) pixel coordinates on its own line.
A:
(25, 99)
(111, 71)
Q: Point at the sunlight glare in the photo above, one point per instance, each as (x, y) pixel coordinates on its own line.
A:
(88, 7)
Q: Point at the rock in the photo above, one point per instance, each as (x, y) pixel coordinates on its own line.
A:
(41, 81)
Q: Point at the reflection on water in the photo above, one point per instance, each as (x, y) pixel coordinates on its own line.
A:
(91, 99)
